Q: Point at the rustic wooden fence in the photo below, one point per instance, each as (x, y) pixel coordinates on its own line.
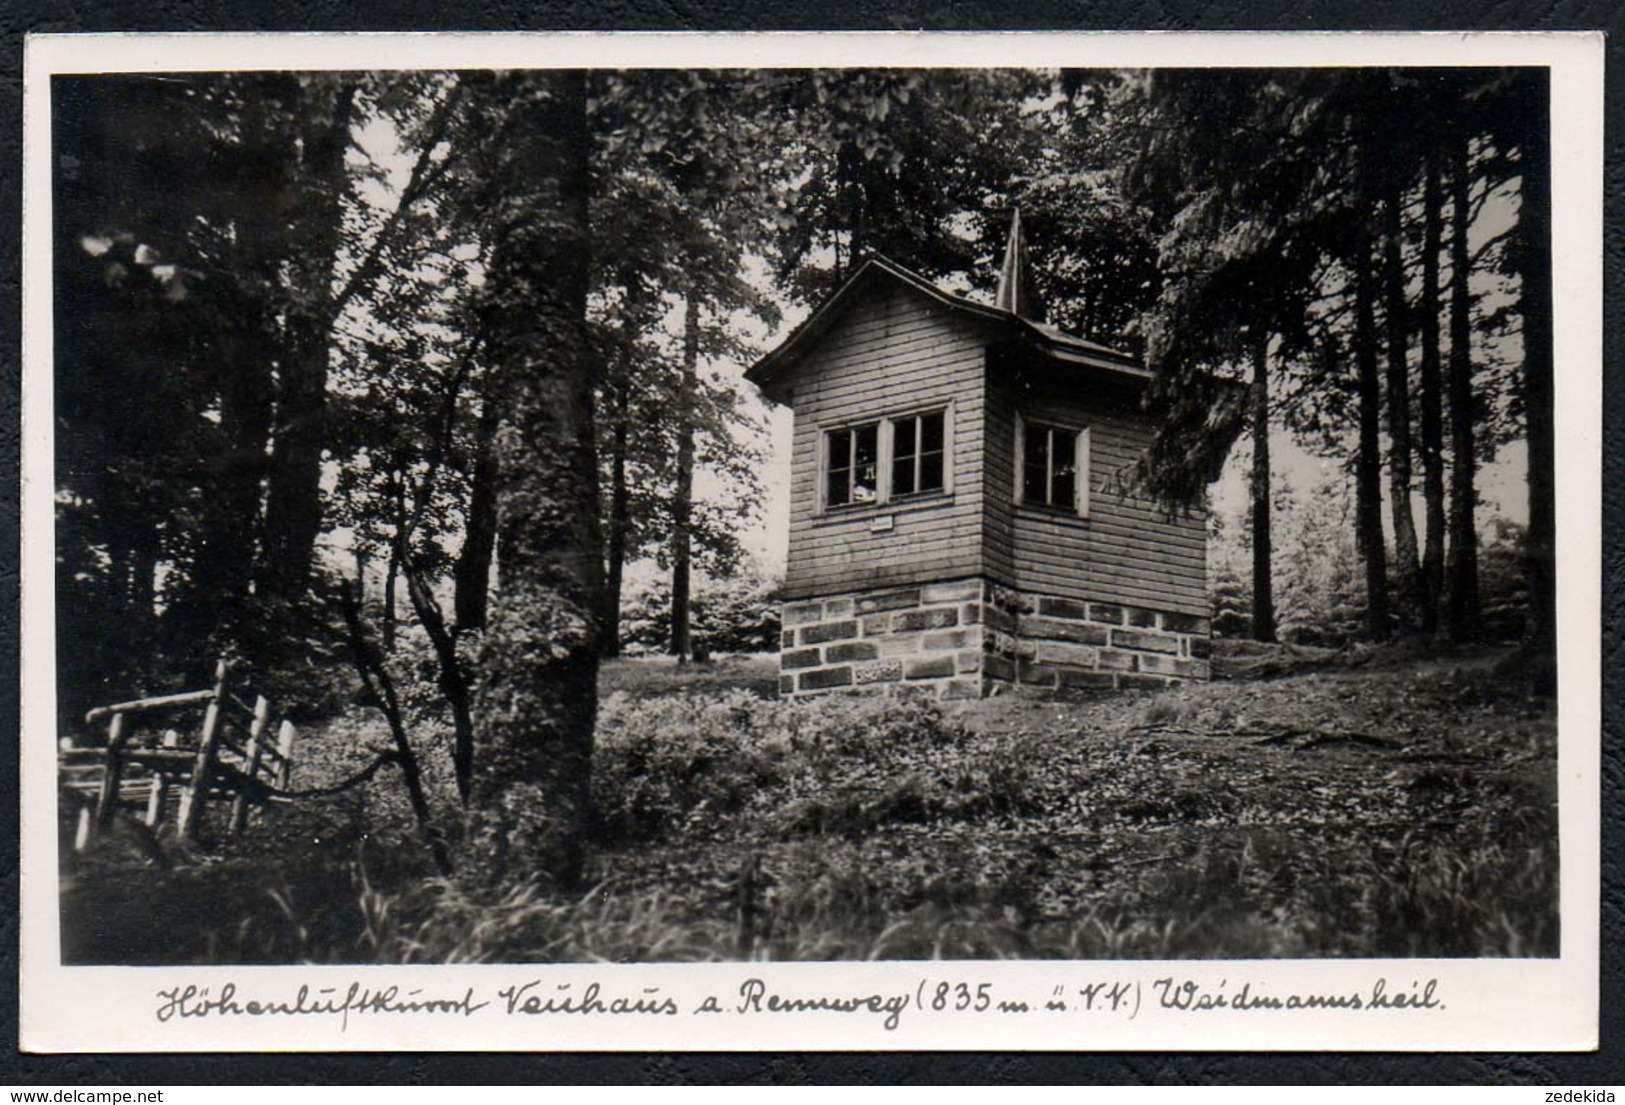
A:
(150, 764)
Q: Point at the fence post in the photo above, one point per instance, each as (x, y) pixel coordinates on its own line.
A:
(112, 774)
(196, 792)
(156, 797)
(251, 769)
(284, 748)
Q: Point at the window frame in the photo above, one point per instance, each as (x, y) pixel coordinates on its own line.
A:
(825, 456)
(1079, 507)
(919, 455)
(885, 453)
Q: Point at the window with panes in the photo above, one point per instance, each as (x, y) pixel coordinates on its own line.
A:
(1052, 464)
(891, 458)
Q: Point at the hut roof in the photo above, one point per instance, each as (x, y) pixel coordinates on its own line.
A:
(877, 271)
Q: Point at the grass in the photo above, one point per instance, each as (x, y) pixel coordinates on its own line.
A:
(1366, 809)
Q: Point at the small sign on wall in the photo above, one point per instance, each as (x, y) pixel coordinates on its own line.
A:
(881, 523)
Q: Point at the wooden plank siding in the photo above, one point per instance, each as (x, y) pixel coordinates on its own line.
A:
(895, 353)
(1127, 550)
(900, 352)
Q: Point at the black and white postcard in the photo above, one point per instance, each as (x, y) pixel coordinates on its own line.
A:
(849, 541)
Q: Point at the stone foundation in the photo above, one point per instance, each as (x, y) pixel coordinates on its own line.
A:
(969, 638)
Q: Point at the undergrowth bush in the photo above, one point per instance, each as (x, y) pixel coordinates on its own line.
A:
(830, 899)
(737, 827)
(662, 766)
(679, 765)
(737, 614)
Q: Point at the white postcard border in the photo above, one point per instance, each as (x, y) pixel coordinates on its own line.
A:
(1481, 1005)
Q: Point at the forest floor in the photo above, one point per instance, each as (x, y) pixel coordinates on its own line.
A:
(1388, 802)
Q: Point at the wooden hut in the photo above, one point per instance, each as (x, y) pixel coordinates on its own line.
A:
(956, 520)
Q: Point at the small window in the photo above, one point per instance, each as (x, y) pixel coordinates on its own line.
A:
(917, 448)
(1054, 470)
(889, 459)
(854, 466)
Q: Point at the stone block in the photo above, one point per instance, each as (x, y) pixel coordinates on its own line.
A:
(970, 614)
(1012, 601)
(1087, 680)
(1053, 630)
(962, 590)
(1105, 612)
(875, 624)
(1143, 682)
(787, 639)
(881, 671)
(805, 658)
(904, 645)
(787, 684)
(888, 600)
(824, 678)
(1064, 608)
(1185, 623)
(995, 617)
(829, 631)
(1161, 665)
(968, 661)
(929, 667)
(851, 650)
(837, 608)
(962, 688)
(1193, 669)
(939, 618)
(1141, 617)
(1002, 643)
(1199, 647)
(802, 613)
(1065, 652)
(997, 667)
(1113, 660)
(1041, 675)
(948, 639)
(1145, 642)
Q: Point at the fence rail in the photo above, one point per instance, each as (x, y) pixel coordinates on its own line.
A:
(143, 763)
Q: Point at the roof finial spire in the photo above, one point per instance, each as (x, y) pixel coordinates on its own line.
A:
(1016, 274)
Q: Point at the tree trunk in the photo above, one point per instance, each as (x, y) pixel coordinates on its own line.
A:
(1399, 401)
(1535, 305)
(234, 475)
(1432, 399)
(473, 571)
(619, 520)
(293, 508)
(142, 612)
(1462, 609)
(452, 681)
(1368, 463)
(538, 698)
(682, 510)
(240, 352)
(1263, 582)
(380, 689)
(392, 574)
